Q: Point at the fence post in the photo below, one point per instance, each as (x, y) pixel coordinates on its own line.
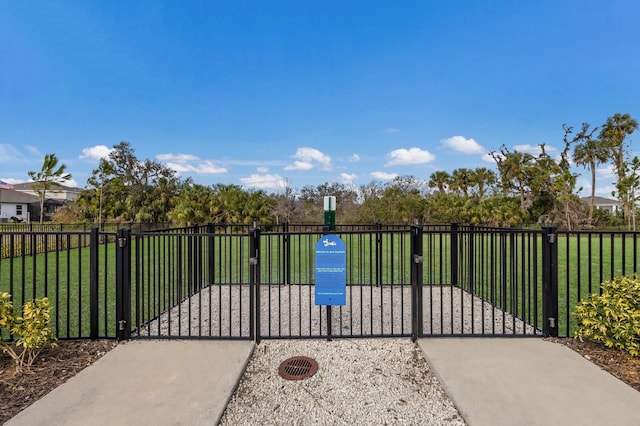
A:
(549, 281)
(190, 261)
(287, 252)
(254, 281)
(378, 254)
(93, 283)
(416, 282)
(471, 261)
(211, 244)
(199, 281)
(123, 284)
(453, 253)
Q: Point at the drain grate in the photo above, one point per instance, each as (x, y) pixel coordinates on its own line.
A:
(298, 368)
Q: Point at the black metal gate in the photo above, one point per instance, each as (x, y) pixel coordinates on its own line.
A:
(221, 282)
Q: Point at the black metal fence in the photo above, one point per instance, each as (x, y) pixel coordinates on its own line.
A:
(244, 282)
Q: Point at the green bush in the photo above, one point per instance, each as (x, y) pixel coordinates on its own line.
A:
(612, 318)
(31, 331)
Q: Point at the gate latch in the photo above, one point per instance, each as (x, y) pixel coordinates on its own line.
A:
(417, 258)
(121, 325)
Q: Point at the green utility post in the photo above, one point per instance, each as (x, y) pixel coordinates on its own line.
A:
(329, 225)
(330, 213)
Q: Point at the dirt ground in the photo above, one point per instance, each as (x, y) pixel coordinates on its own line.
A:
(55, 366)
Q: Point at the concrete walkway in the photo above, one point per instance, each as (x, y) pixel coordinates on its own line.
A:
(528, 382)
(157, 383)
(491, 381)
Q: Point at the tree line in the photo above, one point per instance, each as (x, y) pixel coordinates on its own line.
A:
(526, 189)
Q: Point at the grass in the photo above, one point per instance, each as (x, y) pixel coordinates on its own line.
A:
(506, 269)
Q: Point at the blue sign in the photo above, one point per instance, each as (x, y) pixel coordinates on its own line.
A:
(331, 271)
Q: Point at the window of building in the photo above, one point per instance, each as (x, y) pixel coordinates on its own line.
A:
(19, 210)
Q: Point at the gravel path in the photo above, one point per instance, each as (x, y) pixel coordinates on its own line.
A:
(359, 381)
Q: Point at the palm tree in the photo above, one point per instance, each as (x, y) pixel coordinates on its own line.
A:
(613, 135)
(49, 176)
(463, 178)
(483, 178)
(439, 180)
(590, 154)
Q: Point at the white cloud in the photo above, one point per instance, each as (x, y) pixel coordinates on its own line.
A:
(71, 182)
(206, 167)
(307, 158)
(535, 149)
(177, 158)
(606, 172)
(391, 130)
(605, 191)
(384, 175)
(464, 145)
(96, 152)
(265, 181)
(263, 169)
(528, 148)
(300, 165)
(188, 163)
(347, 178)
(9, 154)
(487, 158)
(35, 151)
(409, 156)
(354, 158)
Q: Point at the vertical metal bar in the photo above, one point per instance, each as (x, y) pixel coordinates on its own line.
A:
(550, 281)
(453, 254)
(211, 229)
(68, 280)
(254, 281)
(503, 278)
(123, 284)
(93, 283)
(416, 282)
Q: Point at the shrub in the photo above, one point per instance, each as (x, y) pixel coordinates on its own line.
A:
(31, 331)
(612, 318)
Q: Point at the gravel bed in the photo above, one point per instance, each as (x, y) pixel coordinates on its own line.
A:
(359, 381)
(289, 310)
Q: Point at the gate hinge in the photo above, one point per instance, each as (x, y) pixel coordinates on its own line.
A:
(552, 238)
(417, 258)
(121, 325)
(552, 322)
(122, 242)
(253, 261)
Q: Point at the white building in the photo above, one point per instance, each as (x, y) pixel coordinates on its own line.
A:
(15, 204)
(612, 206)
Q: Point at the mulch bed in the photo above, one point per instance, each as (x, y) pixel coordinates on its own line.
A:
(55, 366)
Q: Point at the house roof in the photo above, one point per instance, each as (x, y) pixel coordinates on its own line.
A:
(601, 201)
(16, 197)
(55, 186)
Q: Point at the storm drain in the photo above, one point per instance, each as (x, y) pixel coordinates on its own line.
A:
(298, 368)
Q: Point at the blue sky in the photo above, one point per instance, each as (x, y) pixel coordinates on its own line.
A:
(267, 94)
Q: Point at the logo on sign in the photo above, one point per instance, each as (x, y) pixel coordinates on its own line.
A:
(328, 243)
